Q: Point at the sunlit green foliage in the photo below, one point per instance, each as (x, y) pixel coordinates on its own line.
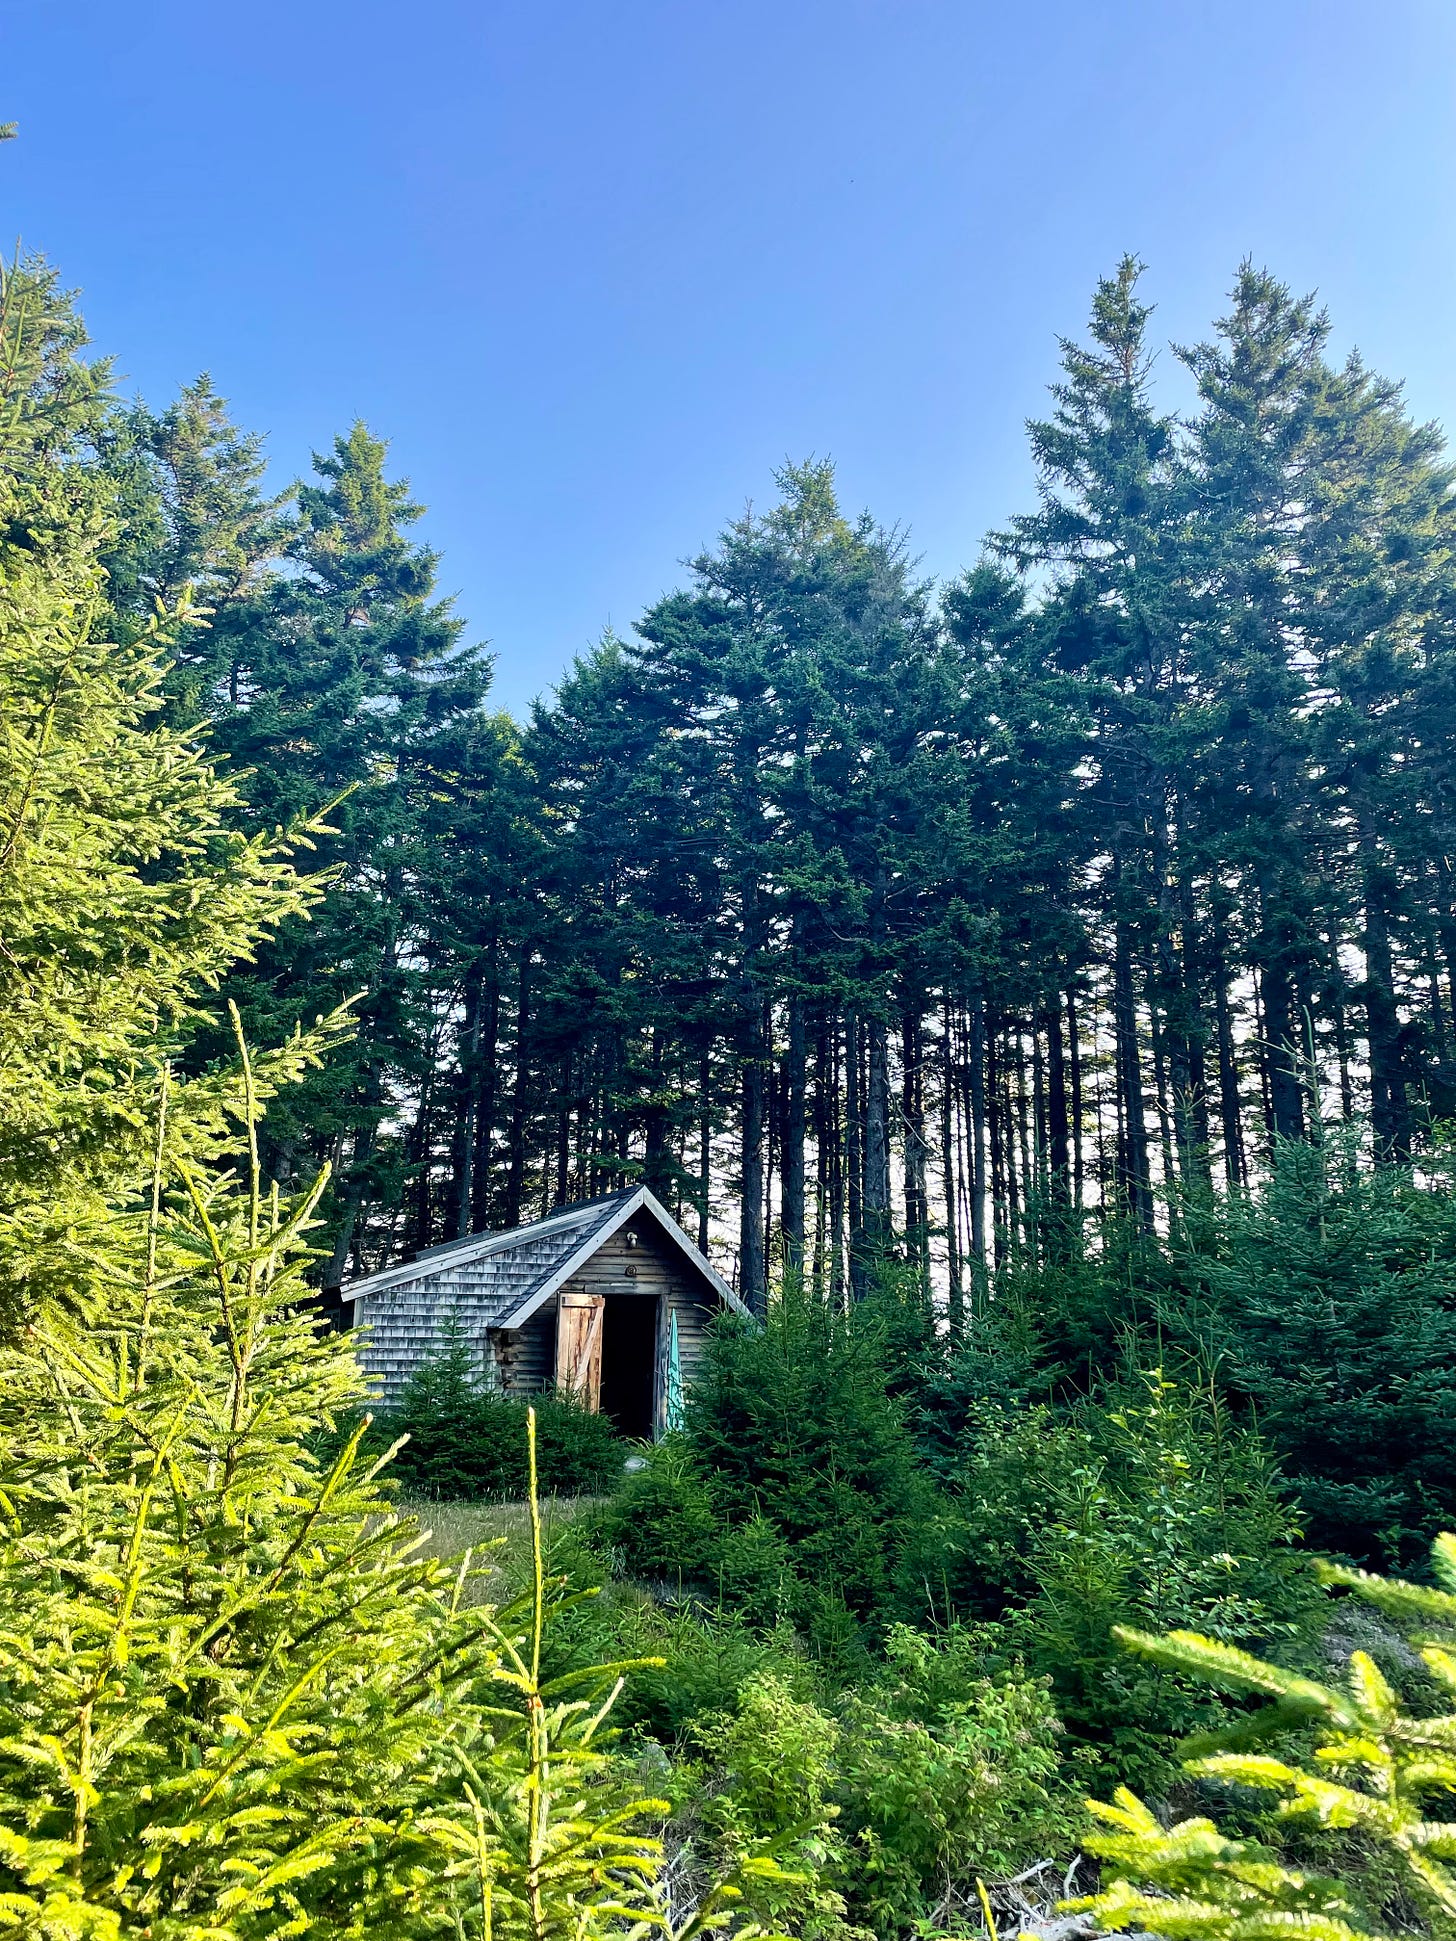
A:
(126, 887)
(1350, 1759)
(235, 1699)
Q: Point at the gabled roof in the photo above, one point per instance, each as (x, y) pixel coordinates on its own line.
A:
(528, 1264)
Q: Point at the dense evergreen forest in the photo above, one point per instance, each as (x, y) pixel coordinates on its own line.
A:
(1038, 991)
(850, 913)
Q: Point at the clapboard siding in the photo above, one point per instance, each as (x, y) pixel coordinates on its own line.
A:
(661, 1270)
(651, 1266)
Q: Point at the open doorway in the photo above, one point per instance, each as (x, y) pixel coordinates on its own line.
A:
(629, 1363)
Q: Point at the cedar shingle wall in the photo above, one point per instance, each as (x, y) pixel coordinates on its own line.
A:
(415, 1319)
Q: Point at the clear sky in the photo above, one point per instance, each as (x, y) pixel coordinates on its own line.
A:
(595, 269)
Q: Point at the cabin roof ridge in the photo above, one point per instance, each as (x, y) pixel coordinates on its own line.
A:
(616, 1210)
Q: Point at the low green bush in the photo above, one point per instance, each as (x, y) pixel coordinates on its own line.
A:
(794, 1493)
(467, 1443)
(891, 1796)
(1151, 1508)
(765, 1772)
(945, 1772)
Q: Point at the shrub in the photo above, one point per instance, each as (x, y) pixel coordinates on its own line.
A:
(794, 1490)
(1351, 1760)
(945, 1773)
(1330, 1301)
(704, 1663)
(770, 1765)
(465, 1442)
(664, 1522)
(1150, 1508)
(233, 1698)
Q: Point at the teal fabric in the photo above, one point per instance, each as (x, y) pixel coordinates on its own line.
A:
(674, 1411)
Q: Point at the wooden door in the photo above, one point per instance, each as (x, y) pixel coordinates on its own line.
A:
(579, 1345)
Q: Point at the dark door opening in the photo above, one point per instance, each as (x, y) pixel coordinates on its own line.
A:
(629, 1362)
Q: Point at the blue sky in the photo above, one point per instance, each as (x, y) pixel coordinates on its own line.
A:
(596, 269)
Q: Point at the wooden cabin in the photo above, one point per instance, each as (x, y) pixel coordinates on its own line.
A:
(608, 1297)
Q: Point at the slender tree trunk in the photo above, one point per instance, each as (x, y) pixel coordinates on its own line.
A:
(1390, 1113)
(912, 1094)
(1074, 1042)
(563, 1136)
(1195, 1035)
(485, 1096)
(1280, 1031)
(420, 1151)
(705, 1148)
(1000, 1193)
(656, 1167)
(1059, 1141)
(795, 1116)
(462, 1135)
(353, 1200)
(516, 1148)
(836, 1120)
(877, 1139)
(824, 1158)
(1157, 1031)
(752, 1270)
(854, 1145)
(1136, 1181)
(1230, 1106)
(977, 1075)
(950, 1175)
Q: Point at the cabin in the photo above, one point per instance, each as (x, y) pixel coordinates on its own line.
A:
(607, 1297)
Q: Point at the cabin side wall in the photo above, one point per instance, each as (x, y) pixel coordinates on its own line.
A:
(525, 1357)
(417, 1319)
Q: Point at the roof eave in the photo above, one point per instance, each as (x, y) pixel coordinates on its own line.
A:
(559, 1276)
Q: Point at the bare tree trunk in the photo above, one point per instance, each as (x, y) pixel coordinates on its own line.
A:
(1390, 1114)
(950, 1176)
(795, 1118)
(485, 1098)
(752, 1276)
(977, 1072)
(854, 1144)
(516, 1148)
(1136, 1176)
(917, 1209)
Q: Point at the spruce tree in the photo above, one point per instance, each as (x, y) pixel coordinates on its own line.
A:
(346, 666)
(127, 889)
(1375, 1773)
(1328, 1303)
(235, 1697)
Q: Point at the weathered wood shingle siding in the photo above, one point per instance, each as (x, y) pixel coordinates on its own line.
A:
(468, 1290)
(416, 1319)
